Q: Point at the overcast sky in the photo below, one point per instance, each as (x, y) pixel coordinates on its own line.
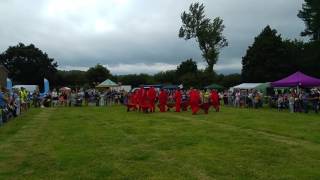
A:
(137, 36)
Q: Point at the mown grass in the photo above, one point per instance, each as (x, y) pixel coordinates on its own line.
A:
(109, 143)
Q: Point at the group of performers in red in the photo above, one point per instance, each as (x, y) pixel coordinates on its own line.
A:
(145, 99)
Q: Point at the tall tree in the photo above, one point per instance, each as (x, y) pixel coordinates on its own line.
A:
(310, 14)
(310, 59)
(28, 64)
(97, 74)
(188, 66)
(268, 59)
(207, 32)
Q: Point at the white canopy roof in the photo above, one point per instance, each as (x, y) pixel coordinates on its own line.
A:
(247, 86)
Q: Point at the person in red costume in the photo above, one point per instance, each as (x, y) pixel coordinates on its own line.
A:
(135, 99)
(178, 97)
(194, 100)
(215, 100)
(139, 98)
(132, 102)
(145, 105)
(163, 98)
(152, 95)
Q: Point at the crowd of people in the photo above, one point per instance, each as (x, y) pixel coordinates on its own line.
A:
(12, 104)
(294, 100)
(297, 100)
(16, 101)
(242, 98)
(75, 97)
(146, 99)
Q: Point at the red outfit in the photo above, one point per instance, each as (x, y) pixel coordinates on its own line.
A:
(178, 97)
(145, 101)
(163, 98)
(205, 106)
(132, 102)
(139, 98)
(215, 100)
(152, 94)
(194, 101)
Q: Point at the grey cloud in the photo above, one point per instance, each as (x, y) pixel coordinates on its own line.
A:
(131, 32)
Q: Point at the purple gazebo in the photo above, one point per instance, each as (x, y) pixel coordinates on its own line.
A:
(297, 79)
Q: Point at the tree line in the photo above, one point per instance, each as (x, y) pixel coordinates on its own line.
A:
(187, 73)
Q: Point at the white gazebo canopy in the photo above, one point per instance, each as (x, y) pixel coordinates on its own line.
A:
(107, 84)
(247, 86)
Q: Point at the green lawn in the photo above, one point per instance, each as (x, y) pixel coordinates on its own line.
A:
(101, 143)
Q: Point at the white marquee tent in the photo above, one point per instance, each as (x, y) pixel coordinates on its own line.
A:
(247, 86)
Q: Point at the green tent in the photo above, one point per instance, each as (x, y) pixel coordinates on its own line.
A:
(107, 84)
(263, 87)
(215, 86)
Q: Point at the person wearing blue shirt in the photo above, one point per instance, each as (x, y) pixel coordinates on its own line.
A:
(3, 103)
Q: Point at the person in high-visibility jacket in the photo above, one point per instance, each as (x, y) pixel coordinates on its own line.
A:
(23, 98)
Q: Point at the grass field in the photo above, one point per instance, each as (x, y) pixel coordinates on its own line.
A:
(101, 143)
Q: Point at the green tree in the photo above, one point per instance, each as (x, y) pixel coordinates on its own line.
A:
(97, 74)
(73, 78)
(268, 59)
(310, 62)
(189, 80)
(188, 66)
(166, 77)
(207, 32)
(230, 80)
(135, 80)
(310, 14)
(28, 64)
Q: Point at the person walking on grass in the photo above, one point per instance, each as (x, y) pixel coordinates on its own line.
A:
(163, 100)
(152, 95)
(145, 105)
(194, 100)
(215, 100)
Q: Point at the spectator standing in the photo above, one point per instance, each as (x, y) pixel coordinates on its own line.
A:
(315, 100)
(3, 102)
(86, 98)
(55, 97)
(237, 99)
(73, 97)
(304, 98)
(291, 102)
